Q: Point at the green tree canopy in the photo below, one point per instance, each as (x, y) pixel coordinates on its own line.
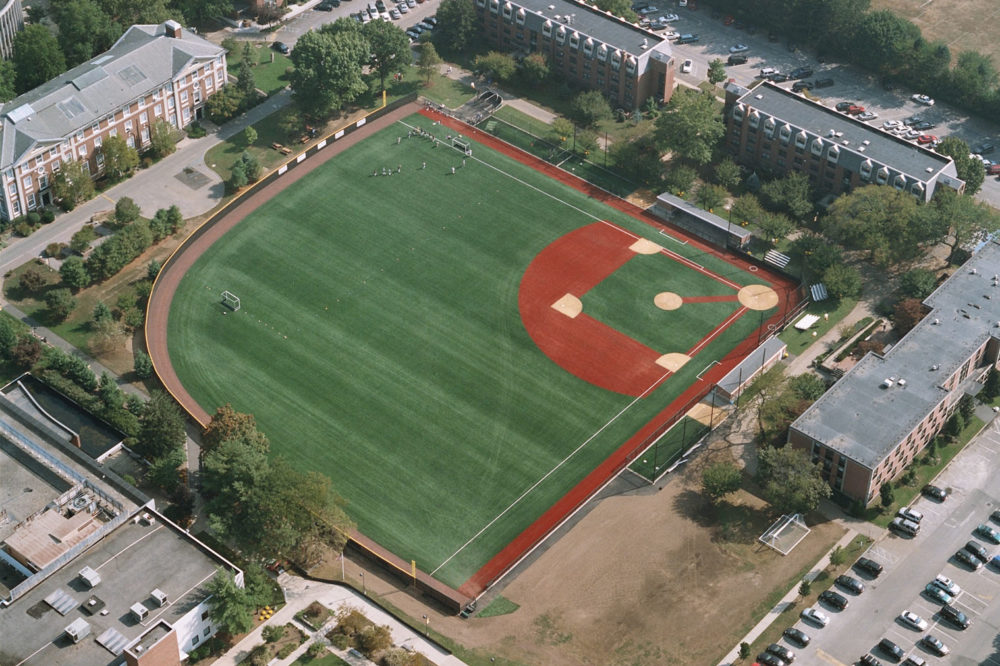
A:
(84, 29)
(457, 26)
(8, 81)
(621, 8)
(161, 138)
(127, 211)
(918, 283)
(73, 273)
(716, 71)
(389, 46)
(72, 184)
(791, 193)
(37, 58)
(720, 479)
(535, 69)
(327, 71)
(161, 427)
(229, 425)
(790, 481)
(969, 168)
(229, 607)
(962, 217)
(690, 125)
(120, 159)
(842, 281)
(590, 107)
(60, 303)
(427, 61)
(496, 64)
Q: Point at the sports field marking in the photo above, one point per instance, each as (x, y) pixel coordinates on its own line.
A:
(673, 361)
(718, 329)
(643, 246)
(758, 297)
(667, 300)
(671, 237)
(551, 472)
(569, 305)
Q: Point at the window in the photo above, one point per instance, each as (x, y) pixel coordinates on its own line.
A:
(218, 78)
(27, 182)
(186, 115)
(170, 102)
(144, 117)
(158, 110)
(195, 639)
(145, 135)
(130, 141)
(113, 131)
(125, 110)
(100, 159)
(53, 152)
(12, 188)
(184, 95)
(96, 127)
(208, 630)
(97, 142)
(43, 181)
(156, 94)
(31, 201)
(204, 616)
(82, 151)
(16, 207)
(79, 135)
(128, 126)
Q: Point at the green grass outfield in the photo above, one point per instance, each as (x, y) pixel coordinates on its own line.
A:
(380, 342)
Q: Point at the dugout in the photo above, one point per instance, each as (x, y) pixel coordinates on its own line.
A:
(754, 365)
(700, 223)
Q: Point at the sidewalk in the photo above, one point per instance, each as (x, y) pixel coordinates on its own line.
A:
(803, 362)
(300, 592)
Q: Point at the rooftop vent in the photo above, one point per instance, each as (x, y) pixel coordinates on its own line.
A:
(160, 596)
(902, 382)
(935, 367)
(78, 630)
(929, 170)
(758, 96)
(861, 149)
(139, 612)
(832, 132)
(888, 383)
(90, 577)
(936, 321)
(866, 142)
(974, 271)
(846, 142)
(552, 8)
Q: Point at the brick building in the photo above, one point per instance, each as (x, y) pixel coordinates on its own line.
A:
(776, 130)
(584, 45)
(153, 72)
(874, 421)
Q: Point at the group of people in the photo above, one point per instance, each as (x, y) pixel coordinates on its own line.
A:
(421, 133)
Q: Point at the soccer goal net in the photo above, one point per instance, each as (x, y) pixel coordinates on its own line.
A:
(461, 145)
(785, 533)
(231, 300)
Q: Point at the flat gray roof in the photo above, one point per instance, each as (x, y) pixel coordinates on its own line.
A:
(865, 420)
(593, 22)
(712, 219)
(132, 561)
(751, 364)
(815, 118)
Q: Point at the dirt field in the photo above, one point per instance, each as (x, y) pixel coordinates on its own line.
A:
(965, 25)
(637, 581)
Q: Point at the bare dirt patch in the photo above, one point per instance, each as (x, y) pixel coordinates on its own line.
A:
(673, 361)
(667, 300)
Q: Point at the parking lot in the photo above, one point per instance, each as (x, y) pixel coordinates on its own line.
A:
(850, 84)
(910, 563)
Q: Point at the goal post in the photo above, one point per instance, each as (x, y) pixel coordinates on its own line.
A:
(231, 300)
(462, 145)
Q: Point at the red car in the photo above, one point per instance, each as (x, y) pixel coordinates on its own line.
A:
(729, 20)
(993, 170)
(927, 138)
(854, 109)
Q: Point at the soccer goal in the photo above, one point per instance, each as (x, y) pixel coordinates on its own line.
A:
(461, 144)
(786, 533)
(231, 300)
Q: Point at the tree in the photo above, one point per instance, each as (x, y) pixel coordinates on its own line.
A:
(534, 69)
(790, 481)
(37, 58)
(164, 472)
(907, 314)
(245, 81)
(26, 352)
(111, 396)
(161, 139)
(228, 425)
(72, 184)
(962, 217)
(918, 283)
(31, 280)
(882, 220)
(887, 494)
(142, 364)
(120, 159)
(710, 196)
(374, 638)
(257, 585)
(228, 606)
(791, 193)
(991, 388)
(775, 226)
(746, 209)
(102, 312)
(561, 130)
(622, 8)
(427, 61)
(237, 177)
(8, 78)
(807, 386)
(81, 239)
(327, 71)
(200, 11)
(127, 211)
(842, 281)
(590, 107)
(73, 273)
(60, 303)
(720, 479)
(690, 125)
(968, 167)
(161, 427)
(84, 29)
(680, 178)
(8, 336)
(129, 12)
(224, 104)
(728, 173)
(389, 47)
(246, 170)
(496, 65)
(457, 25)
(953, 426)
(716, 71)
(250, 134)
(967, 407)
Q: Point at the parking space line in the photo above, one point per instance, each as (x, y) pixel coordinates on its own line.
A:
(829, 658)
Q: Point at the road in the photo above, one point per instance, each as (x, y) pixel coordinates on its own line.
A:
(911, 563)
(851, 84)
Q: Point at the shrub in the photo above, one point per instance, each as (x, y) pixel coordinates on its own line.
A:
(339, 641)
(196, 131)
(744, 650)
(48, 215)
(805, 588)
(273, 634)
(374, 639)
(54, 249)
(23, 229)
(288, 649)
(34, 218)
(315, 650)
(60, 303)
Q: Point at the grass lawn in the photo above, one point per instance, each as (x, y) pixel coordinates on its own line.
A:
(798, 341)
(328, 659)
(442, 89)
(380, 342)
(268, 67)
(499, 606)
(679, 438)
(520, 119)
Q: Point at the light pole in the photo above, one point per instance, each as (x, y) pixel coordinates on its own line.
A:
(364, 589)
(426, 625)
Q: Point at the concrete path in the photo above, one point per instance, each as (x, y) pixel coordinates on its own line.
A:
(300, 592)
(803, 362)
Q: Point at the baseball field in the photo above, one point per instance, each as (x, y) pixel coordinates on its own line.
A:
(457, 344)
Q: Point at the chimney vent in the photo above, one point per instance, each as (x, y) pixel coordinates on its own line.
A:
(172, 28)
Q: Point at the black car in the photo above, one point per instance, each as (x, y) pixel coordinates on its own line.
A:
(968, 558)
(976, 549)
(894, 651)
(835, 599)
(995, 516)
(955, 616)
(687, 39)
(824, 83)
(984, 149)
(736, 60)
(801, 73)
(799, 86)
(843, 106)
(769, 659)
(328, 5)
(924, 125)
(850, 584)
(281, 47)
(797, 636)
(868, 660)
(781, 652)
(940, 494)
(871, 567)
(779, 77)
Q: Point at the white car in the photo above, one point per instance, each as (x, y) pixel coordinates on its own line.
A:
(403, 9)
(669, 18)
(671, 34)
(913, 620)
(648, 10)
(686, 67)
(815, 615)
(923, 99)
(889, 124)
(947, 584)
(867, 115)
(739, 48)
(682, 3)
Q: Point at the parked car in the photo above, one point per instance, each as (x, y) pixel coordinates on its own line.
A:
(817, 616)
(326, 6)
(869, 660)
(889, 124)
(403, 9)
(914, 660)
(993, 170)
(902, 526)
(835, 599)
(779, 77)
(924, 125)
(648, 10)
(912, 620)
(796, 636)
(739, 48)
(413, 34)
(988, 533)
(934, 644)
(968, 559)
(688, 39)
(855, 109)
(867, 115)
(911, 514)
(729, 20)
(801, 73)
(923, 99)
(869, 566)
(947, 584)
(984, 148)
(977, 549)
(737, 60)
(850, 583)
(824, 83)
(799, 86)
(911, 135)
(843, 106)
(686, 67)
(782, 652)
(281, 47)
(955, 616)
(894, 651)
(925, 139)
(937, 594)
(767, 72)
(669, 18)
(768, 659)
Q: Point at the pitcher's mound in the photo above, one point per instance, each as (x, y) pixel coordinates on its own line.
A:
(758, 297)
(643, 246)
(569, 305)
(673, 361)
(667, 300)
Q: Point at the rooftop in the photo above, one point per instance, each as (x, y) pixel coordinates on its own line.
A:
(862, 417)
(593, 22)
(850, 133)
(689, 208)
(133, 560)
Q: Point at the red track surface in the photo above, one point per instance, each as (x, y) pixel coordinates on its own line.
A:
(589, 275)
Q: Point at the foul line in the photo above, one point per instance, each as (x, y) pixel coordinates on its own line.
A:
(718, 329)
(550, 472)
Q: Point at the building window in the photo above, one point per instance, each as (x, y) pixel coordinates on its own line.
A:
(195, 639)
(184, 95)
(145, 135)
(186, 115)
(12, 188)
(208, 630)
(130, 141)
(144, 117)
(113, 131)
(43, 181)
(128, 126)
(125, 110)
(31, 201)
(97, 142)
(158, 110)
(79, 135)
(204, 616)
(82, 151)
(170, 102)
(27, 182)
(100, 160)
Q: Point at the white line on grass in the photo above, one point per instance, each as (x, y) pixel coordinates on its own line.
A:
(550, 472)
